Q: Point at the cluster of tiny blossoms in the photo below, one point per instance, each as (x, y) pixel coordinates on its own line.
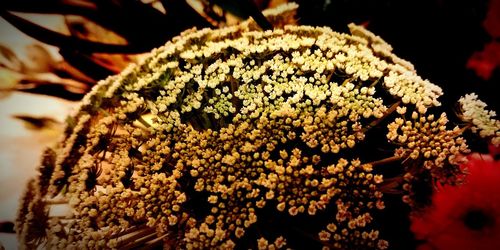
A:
(428, 147)
(236, 137)
(482, 121)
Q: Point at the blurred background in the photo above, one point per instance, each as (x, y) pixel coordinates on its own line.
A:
(52, 52)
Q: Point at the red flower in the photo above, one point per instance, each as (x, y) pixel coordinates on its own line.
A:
(465, 216)
(485, 61)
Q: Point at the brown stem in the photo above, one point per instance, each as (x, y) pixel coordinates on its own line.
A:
(329, 77)
(129, 230)
(389, 111)
(463, 129)
(389, 186)
(143, 122)
(137, 237)
(56, 202)
(154, 244)
(386, 160)
(347, 80)
(375, 82)
(141, 241)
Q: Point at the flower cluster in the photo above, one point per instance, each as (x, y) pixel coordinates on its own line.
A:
(481, 120)
(427, 141)
(238, 137)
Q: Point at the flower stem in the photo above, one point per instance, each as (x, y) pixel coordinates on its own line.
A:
(137, 238)
(375, 82)
(463, 129)
(389, 111)
(140, 241)
(154, 244)
(56, 202)
(143, 122)
(386, 160)
(129, 230)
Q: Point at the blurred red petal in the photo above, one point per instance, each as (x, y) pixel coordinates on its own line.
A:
(444, 224)
(485, 61)
(492, 20)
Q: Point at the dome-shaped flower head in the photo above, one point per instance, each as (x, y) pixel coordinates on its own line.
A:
(238, 138)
